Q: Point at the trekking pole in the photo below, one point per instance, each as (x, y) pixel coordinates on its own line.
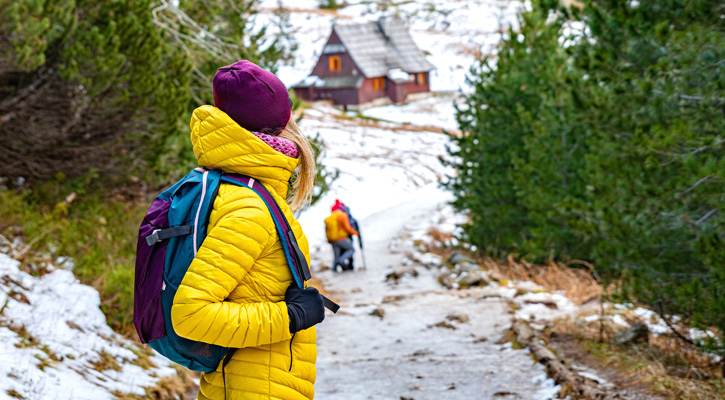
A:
(362, 252)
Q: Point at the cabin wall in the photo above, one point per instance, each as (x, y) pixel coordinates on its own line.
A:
(396, 92)
(414, 87)
(368, 93)
(347, 65)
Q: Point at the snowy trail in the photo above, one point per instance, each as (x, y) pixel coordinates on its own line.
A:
(401, 355)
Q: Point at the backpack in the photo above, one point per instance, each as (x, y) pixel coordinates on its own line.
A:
(169, 237)
(331, 227)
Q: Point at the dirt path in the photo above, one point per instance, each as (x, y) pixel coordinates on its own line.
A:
(404, 355)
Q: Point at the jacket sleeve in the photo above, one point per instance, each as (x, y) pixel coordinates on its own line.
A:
(345, 223)
(199, 310)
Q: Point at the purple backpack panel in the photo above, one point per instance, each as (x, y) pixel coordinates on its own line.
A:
(148, 315)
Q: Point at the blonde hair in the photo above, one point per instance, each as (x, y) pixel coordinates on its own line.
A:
(304, 179)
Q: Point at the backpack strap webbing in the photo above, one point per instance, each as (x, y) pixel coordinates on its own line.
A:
(329, 304)
(295, 258)
(161, 234)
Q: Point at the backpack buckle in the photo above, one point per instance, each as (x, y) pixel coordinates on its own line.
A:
(153, 238)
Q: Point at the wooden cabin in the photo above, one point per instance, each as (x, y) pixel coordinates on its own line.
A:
(367, 61)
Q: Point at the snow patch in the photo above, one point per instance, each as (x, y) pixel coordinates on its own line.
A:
(52, 332)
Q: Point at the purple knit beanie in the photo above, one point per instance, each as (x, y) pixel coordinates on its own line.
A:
(254, 98)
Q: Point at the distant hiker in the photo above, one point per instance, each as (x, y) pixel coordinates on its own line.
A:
(238, 291)
(339, 234)
(353, 221)
(354, 224)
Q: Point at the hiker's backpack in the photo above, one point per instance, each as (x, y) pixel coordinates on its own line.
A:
(169, 237)
(331, 227)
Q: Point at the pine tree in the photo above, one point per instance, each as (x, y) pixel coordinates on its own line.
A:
(605, 143)
(84, 84)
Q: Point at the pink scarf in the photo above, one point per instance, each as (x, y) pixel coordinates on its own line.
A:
(283, 146)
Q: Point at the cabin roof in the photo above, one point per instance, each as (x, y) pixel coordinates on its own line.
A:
(378, 47)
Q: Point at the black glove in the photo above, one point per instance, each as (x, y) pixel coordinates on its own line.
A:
(304, 307)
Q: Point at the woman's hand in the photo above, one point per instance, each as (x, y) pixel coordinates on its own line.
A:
(304, 307)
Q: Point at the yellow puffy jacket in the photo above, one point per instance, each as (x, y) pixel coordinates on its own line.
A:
(233, 292)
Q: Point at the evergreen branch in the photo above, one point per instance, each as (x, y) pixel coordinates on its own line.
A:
(689, 97)
(703, 180)
(706, 216)
(706, 67)
(669, 324)
(673, 274)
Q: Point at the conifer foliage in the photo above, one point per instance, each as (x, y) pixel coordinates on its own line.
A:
(84, 84)
(109, 85)
(598, 135)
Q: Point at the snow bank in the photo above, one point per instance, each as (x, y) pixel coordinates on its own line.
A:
(52, 332)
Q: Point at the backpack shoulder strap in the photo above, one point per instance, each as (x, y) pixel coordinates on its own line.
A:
(295, 258)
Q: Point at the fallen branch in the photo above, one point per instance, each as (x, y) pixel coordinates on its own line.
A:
(562, 374)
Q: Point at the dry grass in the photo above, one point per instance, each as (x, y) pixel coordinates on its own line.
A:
(578, 283)
(663, 364)
(106, 362)
(181, 386)
(15, 395)
(438, 236)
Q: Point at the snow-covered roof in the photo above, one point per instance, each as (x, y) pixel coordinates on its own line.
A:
(378, 47)
(333, 48)
(397, 75)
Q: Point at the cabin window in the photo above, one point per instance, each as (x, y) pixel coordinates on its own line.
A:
(420, 78)
(335, 63)
(378, 83)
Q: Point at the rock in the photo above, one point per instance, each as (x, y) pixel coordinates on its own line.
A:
(400, 272)
(393, 298)
(496, 276)
(636, 333)
(443, 324)
(468, 267)
(421, 353)
(476, 278)
(462, 318)
(445, 280)
(378, 312)
(429, 260)
(457, 257)
(490, 292)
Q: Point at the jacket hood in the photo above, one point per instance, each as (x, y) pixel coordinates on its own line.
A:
(220, 143)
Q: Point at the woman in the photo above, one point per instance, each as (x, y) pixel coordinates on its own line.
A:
(238, 291)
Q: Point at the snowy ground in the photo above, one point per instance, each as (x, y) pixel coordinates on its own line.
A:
(411, 339)
(55, 343)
